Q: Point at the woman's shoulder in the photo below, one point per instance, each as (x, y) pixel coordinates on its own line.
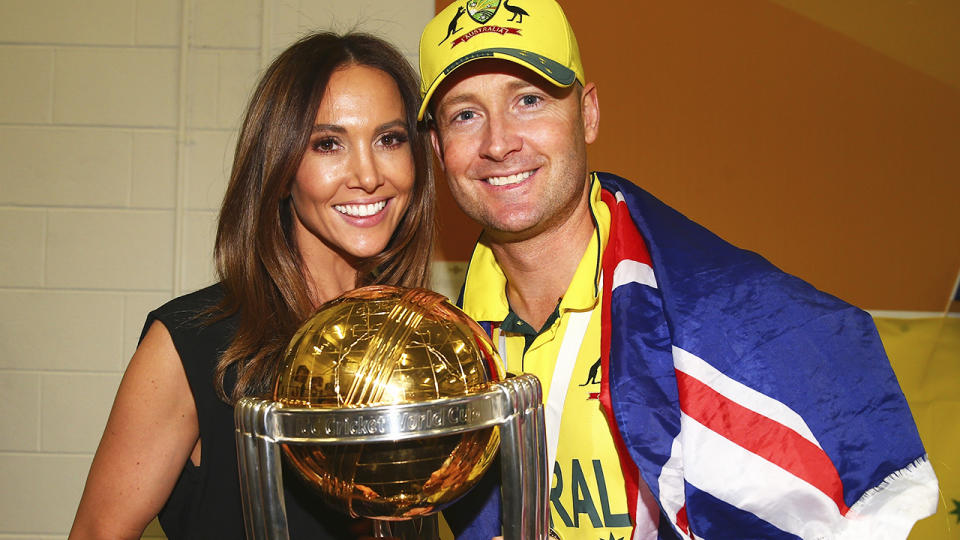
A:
(195, 302)
(191, 313)
(198, 331)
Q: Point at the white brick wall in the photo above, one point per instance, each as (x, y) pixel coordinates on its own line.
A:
(115, 134)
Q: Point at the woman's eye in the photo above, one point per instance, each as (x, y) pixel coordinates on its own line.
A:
(393, 139)
(324, 145)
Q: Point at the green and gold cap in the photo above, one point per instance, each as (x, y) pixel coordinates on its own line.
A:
(532, 33)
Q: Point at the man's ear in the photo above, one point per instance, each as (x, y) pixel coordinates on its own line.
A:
(435, 142)
(590, 112)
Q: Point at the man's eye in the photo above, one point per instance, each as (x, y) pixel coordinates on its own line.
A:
(530, 100)
(463, 116)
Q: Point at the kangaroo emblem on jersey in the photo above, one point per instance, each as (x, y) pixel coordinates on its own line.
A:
(482, 10)
(452, 27)
(592, 374)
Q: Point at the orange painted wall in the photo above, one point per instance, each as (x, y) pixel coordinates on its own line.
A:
(837, 162)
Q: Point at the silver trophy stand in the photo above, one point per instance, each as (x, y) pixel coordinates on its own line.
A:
(515, 405)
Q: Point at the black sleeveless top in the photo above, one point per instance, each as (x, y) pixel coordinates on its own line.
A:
(205, 502)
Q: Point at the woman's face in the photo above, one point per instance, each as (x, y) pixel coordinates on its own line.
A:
(355, 179)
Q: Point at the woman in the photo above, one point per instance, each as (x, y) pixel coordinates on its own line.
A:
(330, 190)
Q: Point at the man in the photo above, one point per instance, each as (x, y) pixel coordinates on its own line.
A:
(693, 390)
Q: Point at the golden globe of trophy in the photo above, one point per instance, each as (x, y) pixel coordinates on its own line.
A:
(392, 403)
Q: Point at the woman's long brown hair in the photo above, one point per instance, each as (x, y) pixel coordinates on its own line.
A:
(257, 260)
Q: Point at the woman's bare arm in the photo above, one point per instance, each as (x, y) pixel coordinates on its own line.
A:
(151, 432)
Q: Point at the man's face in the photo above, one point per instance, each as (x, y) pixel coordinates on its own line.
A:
(513, 146)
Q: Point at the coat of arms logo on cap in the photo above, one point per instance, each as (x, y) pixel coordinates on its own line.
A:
(482, 10)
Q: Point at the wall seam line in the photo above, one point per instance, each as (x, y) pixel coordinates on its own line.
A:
(38, 443)
(179, 205)
(266, 22)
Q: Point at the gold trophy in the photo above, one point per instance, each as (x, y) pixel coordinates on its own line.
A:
(392, 403)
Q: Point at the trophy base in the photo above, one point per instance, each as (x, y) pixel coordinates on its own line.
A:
(425, 528)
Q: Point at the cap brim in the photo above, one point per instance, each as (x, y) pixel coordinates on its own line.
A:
(554, 72)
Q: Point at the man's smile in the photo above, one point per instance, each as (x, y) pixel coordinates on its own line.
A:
(510, 179)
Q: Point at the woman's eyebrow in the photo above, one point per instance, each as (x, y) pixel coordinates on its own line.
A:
(329, 127)
(398, 123)
(336, 128)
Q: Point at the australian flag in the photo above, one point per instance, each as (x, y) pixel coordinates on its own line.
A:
(746, 403)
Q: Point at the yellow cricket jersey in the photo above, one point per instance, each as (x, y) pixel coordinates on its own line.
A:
(587, 497)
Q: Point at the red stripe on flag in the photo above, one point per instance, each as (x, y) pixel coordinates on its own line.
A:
(764, 437)
(682, 522)
(629, 244)
(612, 255)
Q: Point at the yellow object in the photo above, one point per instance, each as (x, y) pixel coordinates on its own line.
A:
(587, 498)
(532, 33)
(385, 345)
(925, 354)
